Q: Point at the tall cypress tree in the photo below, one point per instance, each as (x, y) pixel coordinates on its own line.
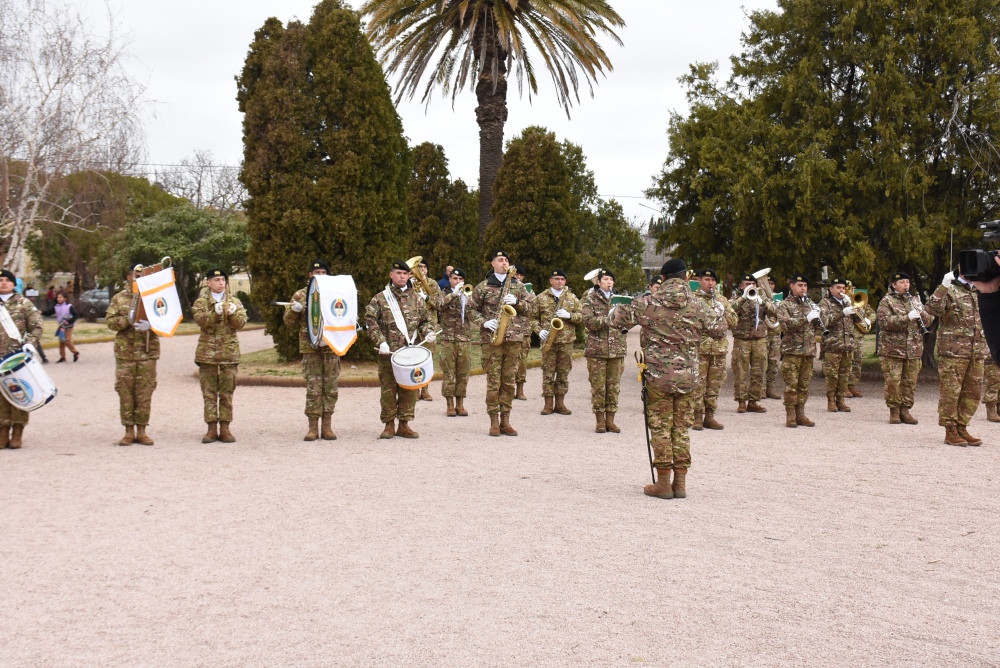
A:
(325, 160)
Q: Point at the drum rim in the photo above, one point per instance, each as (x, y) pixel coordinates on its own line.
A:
(316, 339)
(427, 355)
(23, 363)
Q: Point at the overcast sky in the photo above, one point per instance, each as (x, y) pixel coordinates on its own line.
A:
(187, 52)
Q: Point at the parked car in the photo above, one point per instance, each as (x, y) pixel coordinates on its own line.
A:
(93, 304)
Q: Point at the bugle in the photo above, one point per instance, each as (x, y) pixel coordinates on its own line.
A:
(555, 325)
(467, 289)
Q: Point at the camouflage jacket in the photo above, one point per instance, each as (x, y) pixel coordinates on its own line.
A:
(218, 343)
(798, 334)
(603, 340)
(716, 345)
(382, 326)
(130, 343)
(432, 311)
(454, 325)
(548, 304)
(28, 320)
(485, 305)
(751, 316)
(293, 319)
(674, 321)
(898, 335)
(841, 337)
(960, 331)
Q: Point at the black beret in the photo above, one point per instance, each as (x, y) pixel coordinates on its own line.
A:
(838, 281)
(399, 264)
(798, 278)
(659, 280)
(319, 264)
(215, 273)
(558, 272)
(900, 276)
(458, 272)
(9, 275)
(709, 273)
(748, 277)
(519, 269)
(499, 253)
(605, 272)
(423, 263)
(673, 266)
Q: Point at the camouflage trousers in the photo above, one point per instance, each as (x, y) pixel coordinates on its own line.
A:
(856, 359)
(670, 418)
(9, 414)
(218, 382)
(134, 383)
(961, 389)
(556, 365)
(397, 403)
(837, 372)
(749, 365)
(500, 363)
(455, 358)
(797, 372)
(522, 359)
(322, 373)
(711, 375)
(605, 382)
(773, 359)
(991, 382)
(900, 380)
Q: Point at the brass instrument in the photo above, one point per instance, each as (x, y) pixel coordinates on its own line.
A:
(467, 289)
(556, 325)
(860, 302)
(505, 314)
(763, 284)
(414, 264)
(750, 292)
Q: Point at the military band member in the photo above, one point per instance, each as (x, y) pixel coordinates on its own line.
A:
(500, 361)
(773, 352)
(800, 320)
(901, 346)
(425, 391)
(837, 347)
(558, 301)
(320, 366)
(219, 316)
(991, 389)
(605, 353)
(867, 314)
(961, 352)
(523, 321)
(750, 347)
(395, 318)
(675, 322)
(29, 324)
(135, 365)
(455, 341)
(712, 353)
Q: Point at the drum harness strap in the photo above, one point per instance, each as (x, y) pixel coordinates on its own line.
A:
(9, 326)
(397, 315)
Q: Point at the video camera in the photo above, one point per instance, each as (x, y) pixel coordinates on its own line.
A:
(979, 264)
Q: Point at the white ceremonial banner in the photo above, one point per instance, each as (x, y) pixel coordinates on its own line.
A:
(338, 299)
(161, 301)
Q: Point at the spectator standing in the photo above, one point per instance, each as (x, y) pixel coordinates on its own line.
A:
(445, 282)
(66, 315)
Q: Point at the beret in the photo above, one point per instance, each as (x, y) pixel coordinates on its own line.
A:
(900, 276)
(9, 275)
(215, 273)
(319, 264)
(458, 272)
(798, 278)
(709, 273)
(399, 264)
(748, 277)
(499, 253)
(838, 281)
(558, 272)
(606, 272)
(519, 269)
(673, 266)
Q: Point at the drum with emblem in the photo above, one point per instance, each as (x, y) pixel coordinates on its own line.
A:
(332, 312)
(413, 367)
(24, 382)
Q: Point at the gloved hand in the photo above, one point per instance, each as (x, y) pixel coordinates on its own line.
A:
(492, 324)
(948, 278)
(30, 349)
(232, 308)
(458, 287)
(913, 315)
(868, 322)
(719, 308)
(564, 314)
(218, 308)
(142, 325)
(509, 299)
(543, 335)
(383, 348)
(298, 307)
(431, 338)
(849, 310)
(812, 315)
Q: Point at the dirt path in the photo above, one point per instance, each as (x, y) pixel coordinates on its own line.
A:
(854, 543)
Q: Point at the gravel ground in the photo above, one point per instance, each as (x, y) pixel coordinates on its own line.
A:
(854, 543)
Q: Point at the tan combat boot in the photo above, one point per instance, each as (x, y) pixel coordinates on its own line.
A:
(991, 413)
(560, 406)
(212, 435)
(494, 424)
(854, 391)
(602, 425)
(842, 405)
(389, 431)
(405, 431)
(225, 435)
(609, 423)
(548, 409)
(505, 427)
(5, 436)
(790, 420)
(699, 421)
(141, 437)
(680, 478)
(451, 406)
(952, 437)
(661, 489)
(800, 417)
(460, 407)
(771, 392)
(519, 394)
(831, 404)
(963, 431)
(313, 432)
(894, 415)
(904, 415)
(127, 439)
(742, 407)
(754, 407)
(327, 430)
(425, 393)
(16, 433)
(710, 422)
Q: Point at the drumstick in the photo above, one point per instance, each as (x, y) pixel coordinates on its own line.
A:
(425, 338)
(280, 303)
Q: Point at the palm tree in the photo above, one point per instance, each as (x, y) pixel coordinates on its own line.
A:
(452, 44)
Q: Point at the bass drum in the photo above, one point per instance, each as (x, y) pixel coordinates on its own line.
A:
(23, 381)
(413, 367)
(314, 314)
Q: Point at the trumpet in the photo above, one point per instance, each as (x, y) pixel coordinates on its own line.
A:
(555, 325)
(750, 292)
(414, 264)
(467, 289)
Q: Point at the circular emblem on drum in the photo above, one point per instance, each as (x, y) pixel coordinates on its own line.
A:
(339, 308)
(17, 391)
(160, 306)
(417, 376)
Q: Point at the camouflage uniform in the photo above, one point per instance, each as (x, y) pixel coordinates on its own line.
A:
(320, 366)
(557, 362)
(605, 352)
(454, 344)
(961, 352)
(798, 348)
(867, 313)
(837, 347)
(217, 355)
(900, 347)
(675, 323)
(522, 355)
(135, 368)
(750, 348)
(991, 383)
(396, 402)
(773, 353)
(712, 352)
(29, 322)
(500, 362)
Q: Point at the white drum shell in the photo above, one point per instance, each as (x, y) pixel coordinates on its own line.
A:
(413, 367)
(23, 381)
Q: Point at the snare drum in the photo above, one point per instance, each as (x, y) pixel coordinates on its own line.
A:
(413, 367)
(23, 381)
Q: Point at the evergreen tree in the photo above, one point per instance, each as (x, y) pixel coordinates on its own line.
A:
(325, 161)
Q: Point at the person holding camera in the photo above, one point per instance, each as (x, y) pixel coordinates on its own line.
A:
(901, 321)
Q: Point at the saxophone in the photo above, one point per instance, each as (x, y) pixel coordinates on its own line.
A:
(505, 313)
(555, 325)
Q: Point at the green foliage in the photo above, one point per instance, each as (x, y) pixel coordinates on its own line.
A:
(444, 228)
(858, 135)
(325, 162)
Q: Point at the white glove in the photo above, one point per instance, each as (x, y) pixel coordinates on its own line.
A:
(492, 324)
(719, 308)
(913, 315)
(611, 312)
(458, 287)
(948, 278)
(543, 335)
(218, 308)
(509, 299)
(30, 349)
(298, 307)
(232, 308)
(142, 325)
(812, 315)
(383, 348)
(431, 338)
(564, 314)
(758, 299)
(868, 323)
(849, 310)
(131, 316)
(423, 295)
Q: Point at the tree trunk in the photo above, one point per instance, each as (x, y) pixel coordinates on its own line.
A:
(491, 114)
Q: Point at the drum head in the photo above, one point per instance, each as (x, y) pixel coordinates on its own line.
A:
(314, 314)
(411, 356)
(13, 362)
